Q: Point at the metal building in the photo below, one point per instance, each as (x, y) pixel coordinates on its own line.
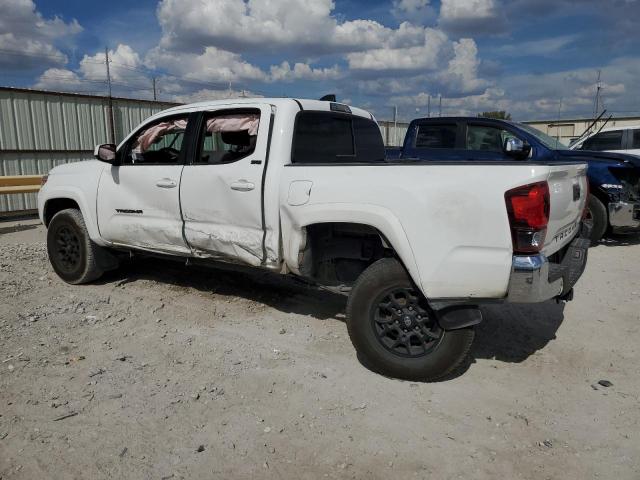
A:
(39, 130)
(568, 130)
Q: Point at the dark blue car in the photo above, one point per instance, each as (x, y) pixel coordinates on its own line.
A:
(614, 178)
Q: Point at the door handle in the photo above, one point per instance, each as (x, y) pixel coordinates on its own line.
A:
(242, 186)
(166, 183)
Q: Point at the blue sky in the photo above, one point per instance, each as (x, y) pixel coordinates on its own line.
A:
(537, 59)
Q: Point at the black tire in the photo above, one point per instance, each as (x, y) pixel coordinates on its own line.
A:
(596, 217)
(439, 359)
(72, 254)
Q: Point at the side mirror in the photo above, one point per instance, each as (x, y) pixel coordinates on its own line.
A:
(515, 147)
(105, 153)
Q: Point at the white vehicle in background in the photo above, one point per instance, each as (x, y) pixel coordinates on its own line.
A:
(302, 187)
(612, 139)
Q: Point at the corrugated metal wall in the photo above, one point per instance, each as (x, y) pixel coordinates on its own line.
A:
(393, 136)
(39, 130)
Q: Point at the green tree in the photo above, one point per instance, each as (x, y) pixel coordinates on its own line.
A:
(499, 115)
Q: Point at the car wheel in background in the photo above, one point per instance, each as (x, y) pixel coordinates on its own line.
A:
(597, 218)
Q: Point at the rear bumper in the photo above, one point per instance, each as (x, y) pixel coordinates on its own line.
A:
(534, 278)
(624, 214)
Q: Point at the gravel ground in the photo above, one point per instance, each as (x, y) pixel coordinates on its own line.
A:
(160, 371)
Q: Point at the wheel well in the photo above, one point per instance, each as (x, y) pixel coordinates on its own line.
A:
(56, 205)
(337, 253)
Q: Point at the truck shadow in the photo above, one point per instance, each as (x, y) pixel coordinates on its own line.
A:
(511, 333)
(283, 293)
(620, 240)
(17, 228)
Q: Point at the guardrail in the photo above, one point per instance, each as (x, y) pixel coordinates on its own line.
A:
(20, 184)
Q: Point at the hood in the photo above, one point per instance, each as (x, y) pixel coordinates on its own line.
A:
(599, 156)
(78, 167)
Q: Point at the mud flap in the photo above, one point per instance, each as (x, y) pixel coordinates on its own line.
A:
(106, 260)
(455, 318)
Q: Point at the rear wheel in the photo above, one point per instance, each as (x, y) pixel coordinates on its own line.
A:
(72, 254)
(597, 218)
(395, 331)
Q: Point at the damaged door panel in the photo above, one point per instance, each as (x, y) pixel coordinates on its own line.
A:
(139, 203)
(221, 187)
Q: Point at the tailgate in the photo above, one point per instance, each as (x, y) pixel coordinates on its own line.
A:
(568, 190)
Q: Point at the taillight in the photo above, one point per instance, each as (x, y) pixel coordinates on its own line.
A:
(528, 209)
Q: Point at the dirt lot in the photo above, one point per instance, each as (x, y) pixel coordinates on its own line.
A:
(162, 371)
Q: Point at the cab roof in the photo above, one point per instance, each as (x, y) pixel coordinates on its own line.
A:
(303, 104)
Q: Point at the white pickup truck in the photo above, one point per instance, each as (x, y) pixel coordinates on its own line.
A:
(302, 187)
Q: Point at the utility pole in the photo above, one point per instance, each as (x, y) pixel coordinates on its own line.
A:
(112, 131)
(395, 125)
(155, 92)
(429, 106)
(440, 107)
(596, 105)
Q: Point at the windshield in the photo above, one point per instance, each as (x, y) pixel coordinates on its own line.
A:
(546, 140)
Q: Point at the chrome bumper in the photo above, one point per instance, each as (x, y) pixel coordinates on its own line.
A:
(624, 215)
(534, 279)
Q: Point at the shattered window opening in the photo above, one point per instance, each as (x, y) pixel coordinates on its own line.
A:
(227, 138)
(158, 143)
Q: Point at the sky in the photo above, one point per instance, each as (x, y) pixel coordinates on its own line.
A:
(536, 59)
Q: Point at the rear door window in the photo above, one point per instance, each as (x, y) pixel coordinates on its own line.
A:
(604, 141)
(228, 137)
(436, 136)
(329, 137)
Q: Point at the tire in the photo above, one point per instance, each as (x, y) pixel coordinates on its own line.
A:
(367, 305)
(72, 254)
(597, 217)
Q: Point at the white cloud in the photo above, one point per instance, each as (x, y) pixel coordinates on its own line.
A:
(59, 79)
(237, 25)
(542, 47)
(538, 96)
(417, 11)
(213, 65)
(252, 26)
(124, 65)
(127, 75)
(206, 94)
(462, 72)
(27, 39)
(429, 55)
(470, 17)
(302, 71)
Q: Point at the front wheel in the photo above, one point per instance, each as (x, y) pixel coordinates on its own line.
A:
(72, 254)
(394, 330)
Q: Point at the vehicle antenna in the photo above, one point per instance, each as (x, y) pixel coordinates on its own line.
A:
(588, 129)
(604, 124)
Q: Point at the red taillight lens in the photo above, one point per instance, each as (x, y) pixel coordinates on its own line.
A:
(528, 209)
